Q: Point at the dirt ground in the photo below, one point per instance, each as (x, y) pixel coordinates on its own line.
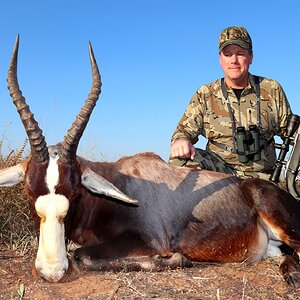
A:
(203, 281)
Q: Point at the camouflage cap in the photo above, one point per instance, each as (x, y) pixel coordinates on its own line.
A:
(235, 35)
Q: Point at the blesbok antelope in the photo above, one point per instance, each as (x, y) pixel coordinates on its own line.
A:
(139, 213)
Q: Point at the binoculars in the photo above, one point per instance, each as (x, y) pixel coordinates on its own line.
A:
(248, 143)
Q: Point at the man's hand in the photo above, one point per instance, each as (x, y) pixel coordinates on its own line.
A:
(183, 148)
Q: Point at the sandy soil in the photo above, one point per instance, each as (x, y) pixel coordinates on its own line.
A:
(203, 281)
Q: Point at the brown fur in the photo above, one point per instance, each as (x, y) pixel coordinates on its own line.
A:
(200, 215)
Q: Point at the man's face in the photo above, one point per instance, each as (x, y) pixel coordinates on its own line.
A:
(235, 62)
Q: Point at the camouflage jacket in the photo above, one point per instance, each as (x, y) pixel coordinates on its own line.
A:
(207, 114)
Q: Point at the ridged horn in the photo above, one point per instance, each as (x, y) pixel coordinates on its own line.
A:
(39, 150)
(71, 140)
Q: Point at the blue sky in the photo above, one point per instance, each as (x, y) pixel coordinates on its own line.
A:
(152, 56)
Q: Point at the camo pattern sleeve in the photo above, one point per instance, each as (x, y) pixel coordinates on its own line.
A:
(191, 124)
(280, 101)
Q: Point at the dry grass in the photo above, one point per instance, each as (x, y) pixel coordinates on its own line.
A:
(16, 225)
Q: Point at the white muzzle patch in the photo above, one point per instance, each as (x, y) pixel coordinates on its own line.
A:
(51, 260)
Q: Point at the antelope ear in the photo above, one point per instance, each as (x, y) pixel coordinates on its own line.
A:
(99, 185)
(13, 175)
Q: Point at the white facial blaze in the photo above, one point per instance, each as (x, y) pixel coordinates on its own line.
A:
(52, 175)
(51, 261)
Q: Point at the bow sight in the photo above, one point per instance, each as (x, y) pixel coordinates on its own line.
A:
(292, 164)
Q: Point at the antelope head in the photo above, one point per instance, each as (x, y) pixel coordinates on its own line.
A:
(53, 178)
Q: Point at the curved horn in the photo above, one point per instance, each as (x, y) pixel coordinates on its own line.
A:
(71, 140)
(39, 150)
